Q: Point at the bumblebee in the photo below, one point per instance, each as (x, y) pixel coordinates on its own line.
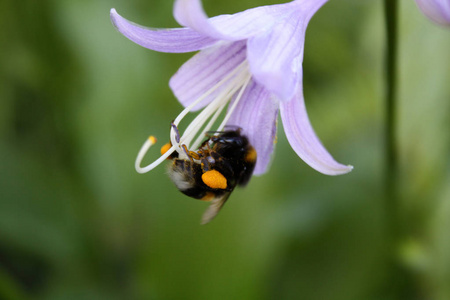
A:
(222, 162)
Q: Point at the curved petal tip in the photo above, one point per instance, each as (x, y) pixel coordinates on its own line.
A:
(344, 170)
(175, 40)
(115, 18)
(112, 15)
(304, 141)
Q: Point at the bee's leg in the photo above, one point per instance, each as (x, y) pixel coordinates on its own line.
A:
(188, 153)
(206, 163)
(194, 155)
(206, 146)
(206, 142)
(203, 152)
(191, 154)
(216, 138)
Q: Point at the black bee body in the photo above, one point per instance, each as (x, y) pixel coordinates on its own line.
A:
(187, 176)
(222, 162)
(238, 157)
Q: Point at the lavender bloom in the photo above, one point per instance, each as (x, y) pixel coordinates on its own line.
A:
(250, 61)
(436, 10)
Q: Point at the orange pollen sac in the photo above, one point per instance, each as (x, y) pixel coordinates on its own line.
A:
(214, 179)
(165, 148)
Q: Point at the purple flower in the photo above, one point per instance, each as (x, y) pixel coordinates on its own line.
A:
(250, 61)
(436, 10)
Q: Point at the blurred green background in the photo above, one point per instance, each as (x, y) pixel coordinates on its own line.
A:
(77, 222)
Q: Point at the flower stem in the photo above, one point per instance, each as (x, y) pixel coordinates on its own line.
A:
(401, 284)
(391, 168)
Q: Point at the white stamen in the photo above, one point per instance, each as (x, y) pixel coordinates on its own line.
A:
(211, 112)
(208, 126)
(193, 128)
(223, 97)
(230, 111)
(148, 143)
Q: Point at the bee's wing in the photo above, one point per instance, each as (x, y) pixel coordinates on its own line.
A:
(214, 208)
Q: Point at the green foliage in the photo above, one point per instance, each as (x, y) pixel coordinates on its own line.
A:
(77, 222)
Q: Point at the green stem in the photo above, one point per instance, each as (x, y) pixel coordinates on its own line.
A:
(401, 283)
(395, 278)
(391, 169)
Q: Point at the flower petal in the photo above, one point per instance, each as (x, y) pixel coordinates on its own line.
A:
(256, 113)
(437, 10)
(176, 40)
(238, 26)
(275, 56)
(204, 70)
(304, 141)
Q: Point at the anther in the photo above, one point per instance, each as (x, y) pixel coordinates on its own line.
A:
(177, 132)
